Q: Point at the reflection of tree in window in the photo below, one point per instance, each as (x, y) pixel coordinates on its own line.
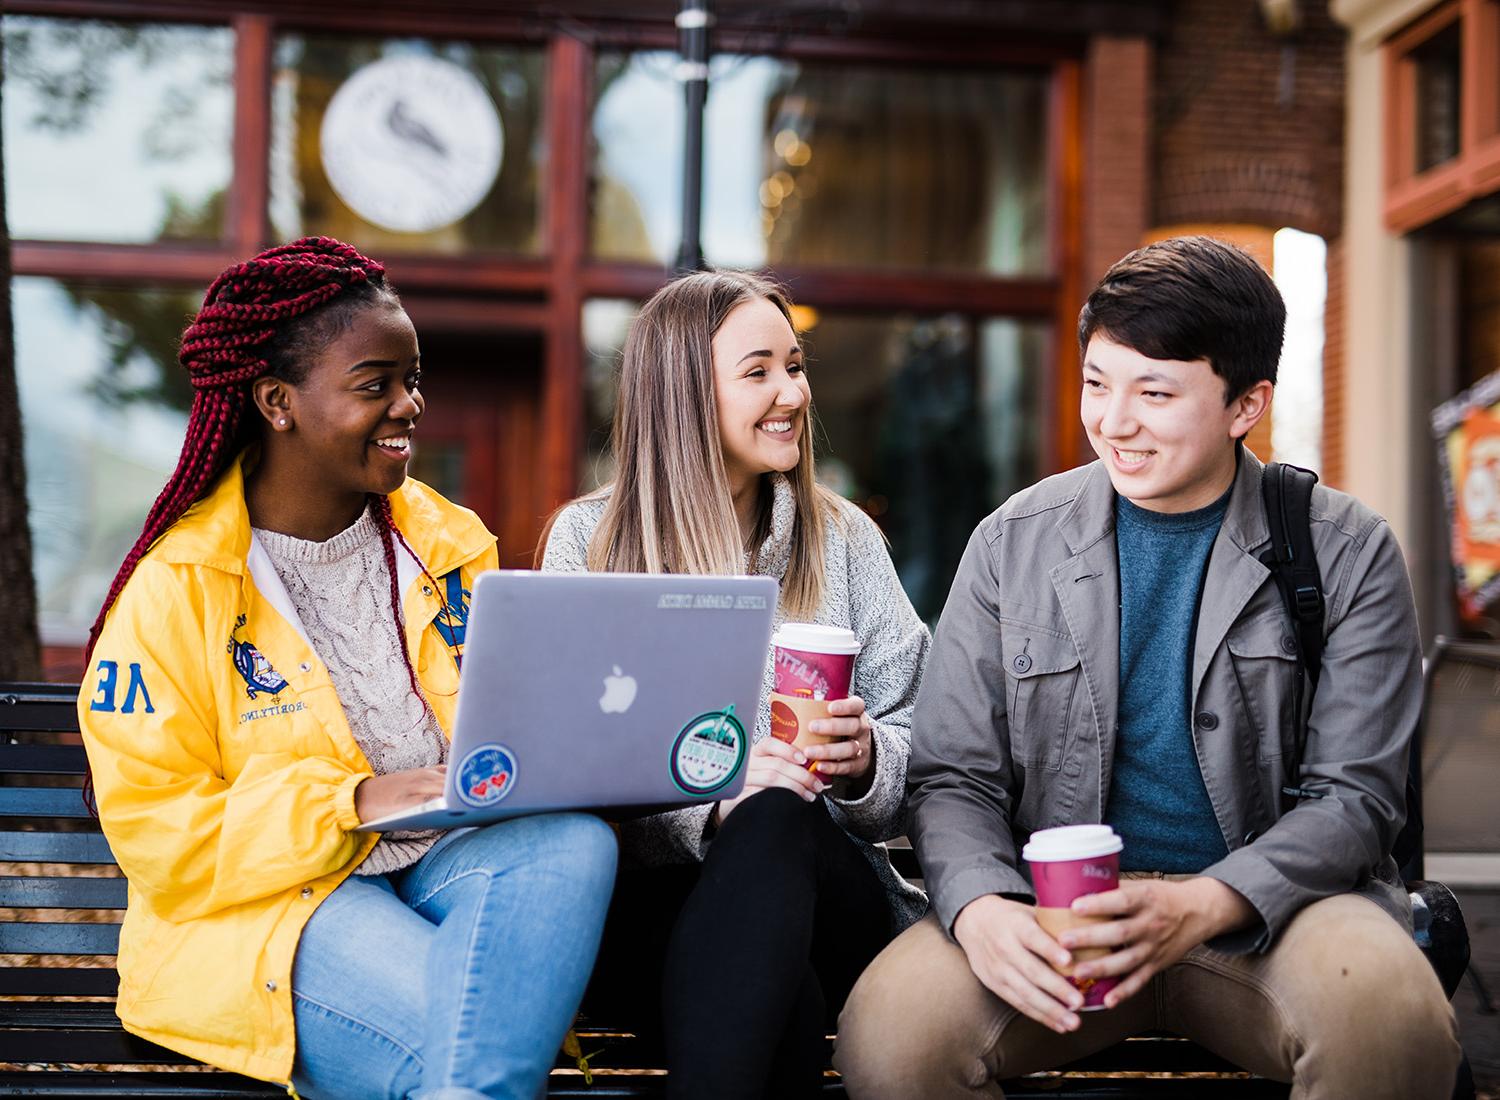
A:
(905, 169)
(73, 71)
(140, 329)
(931, 457)
(617, 224)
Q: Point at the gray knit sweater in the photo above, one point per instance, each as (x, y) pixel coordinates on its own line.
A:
(861, 593)
(341, 589)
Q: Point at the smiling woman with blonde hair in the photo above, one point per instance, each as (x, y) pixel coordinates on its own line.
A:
(786, 884)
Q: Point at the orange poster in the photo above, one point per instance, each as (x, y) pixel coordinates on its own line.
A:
(1468, 432)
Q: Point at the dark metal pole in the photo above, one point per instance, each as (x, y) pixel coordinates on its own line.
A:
(692, 31)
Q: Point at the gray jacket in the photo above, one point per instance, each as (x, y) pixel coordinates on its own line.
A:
(1016, 720)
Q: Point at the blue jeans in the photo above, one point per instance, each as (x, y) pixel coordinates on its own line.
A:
(455, 978)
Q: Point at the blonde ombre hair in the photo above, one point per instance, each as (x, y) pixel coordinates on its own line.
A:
(670, 509)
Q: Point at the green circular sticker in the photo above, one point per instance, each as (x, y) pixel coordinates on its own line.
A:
(708, 752)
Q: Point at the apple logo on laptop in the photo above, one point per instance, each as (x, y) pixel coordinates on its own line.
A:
(619, 693)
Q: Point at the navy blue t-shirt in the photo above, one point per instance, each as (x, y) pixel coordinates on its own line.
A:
(1157, 801)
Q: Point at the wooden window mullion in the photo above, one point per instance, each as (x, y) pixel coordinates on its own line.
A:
(248, 214)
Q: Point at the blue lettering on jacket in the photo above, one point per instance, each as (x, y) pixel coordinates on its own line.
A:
(104, 700)
(109, 675)
(452, 621)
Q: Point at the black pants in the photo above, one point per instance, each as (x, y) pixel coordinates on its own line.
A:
(743, 963)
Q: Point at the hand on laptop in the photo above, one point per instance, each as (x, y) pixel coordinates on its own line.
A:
(773, 763)
(850, 755)
(388, 794)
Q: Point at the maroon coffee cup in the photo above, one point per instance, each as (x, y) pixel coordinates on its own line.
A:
(814, 661)
(1067, 863)
(813, 665)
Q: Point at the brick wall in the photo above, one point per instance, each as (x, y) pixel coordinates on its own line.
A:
(1117, 151)
(1249, 127)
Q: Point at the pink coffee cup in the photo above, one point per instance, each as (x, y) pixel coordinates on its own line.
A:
(814, 661)
(813, 665)
(1067, 863)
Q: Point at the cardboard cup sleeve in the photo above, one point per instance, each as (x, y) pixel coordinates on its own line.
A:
(790, 715)
(1056, 921)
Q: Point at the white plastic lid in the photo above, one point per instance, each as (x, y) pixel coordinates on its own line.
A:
(816, 638)
(1071, 842)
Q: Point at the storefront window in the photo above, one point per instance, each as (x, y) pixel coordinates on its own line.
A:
(927, 422)
(826, 164)
(116, 132)
(1478, 286)
(104, 408)
(1439, 76)
(408, 145)
(605, 323)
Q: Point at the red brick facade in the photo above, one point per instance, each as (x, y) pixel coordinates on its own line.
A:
(1249, 127)
(1117, 151)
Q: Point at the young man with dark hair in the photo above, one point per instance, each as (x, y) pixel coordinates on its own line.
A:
(1113, 649)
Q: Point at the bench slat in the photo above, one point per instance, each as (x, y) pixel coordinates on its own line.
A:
(59, 981)
(39, 707)
(42, 759)
(77, 1086)
(62, 893)
(36, 847)
(24, 1044)
(42, 802)
(46, 938)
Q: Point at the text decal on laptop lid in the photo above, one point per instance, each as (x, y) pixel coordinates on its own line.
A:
(708, 752)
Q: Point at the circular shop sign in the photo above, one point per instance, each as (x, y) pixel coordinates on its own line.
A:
(412, 143)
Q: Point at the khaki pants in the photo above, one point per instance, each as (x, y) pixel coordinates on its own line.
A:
(1344, 1006)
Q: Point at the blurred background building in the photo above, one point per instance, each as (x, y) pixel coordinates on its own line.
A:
(939, 182)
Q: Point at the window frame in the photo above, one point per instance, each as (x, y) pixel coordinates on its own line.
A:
(548, 290)
(1412, 198)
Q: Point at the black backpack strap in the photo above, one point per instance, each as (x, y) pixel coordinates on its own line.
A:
(1286, 492)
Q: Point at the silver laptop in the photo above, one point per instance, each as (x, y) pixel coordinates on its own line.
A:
(601, 691)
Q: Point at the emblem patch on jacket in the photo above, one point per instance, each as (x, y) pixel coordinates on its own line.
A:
(256, 671)
(452, 621)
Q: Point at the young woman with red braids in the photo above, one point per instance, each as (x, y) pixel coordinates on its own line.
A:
(276, 662)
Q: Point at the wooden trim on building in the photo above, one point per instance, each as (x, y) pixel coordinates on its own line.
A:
(570, 73)
(900, 18)
(1413, 198)
(248, 215)
(88, 262)
(1066, 446)
(857, 291)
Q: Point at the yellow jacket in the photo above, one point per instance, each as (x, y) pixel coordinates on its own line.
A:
(225, 770)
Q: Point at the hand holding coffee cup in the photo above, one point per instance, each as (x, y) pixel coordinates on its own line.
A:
(811, 707)
(847, 751)
(1067, 863)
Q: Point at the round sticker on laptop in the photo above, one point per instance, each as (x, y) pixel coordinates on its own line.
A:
(486, 775)
(708, 752)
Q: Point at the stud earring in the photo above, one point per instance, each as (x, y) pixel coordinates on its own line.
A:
(282, 422)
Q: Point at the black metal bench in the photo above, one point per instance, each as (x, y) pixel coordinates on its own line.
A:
(62, 895)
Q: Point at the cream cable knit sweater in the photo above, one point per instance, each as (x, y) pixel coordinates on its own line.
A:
(341, 589)
(861, 593)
